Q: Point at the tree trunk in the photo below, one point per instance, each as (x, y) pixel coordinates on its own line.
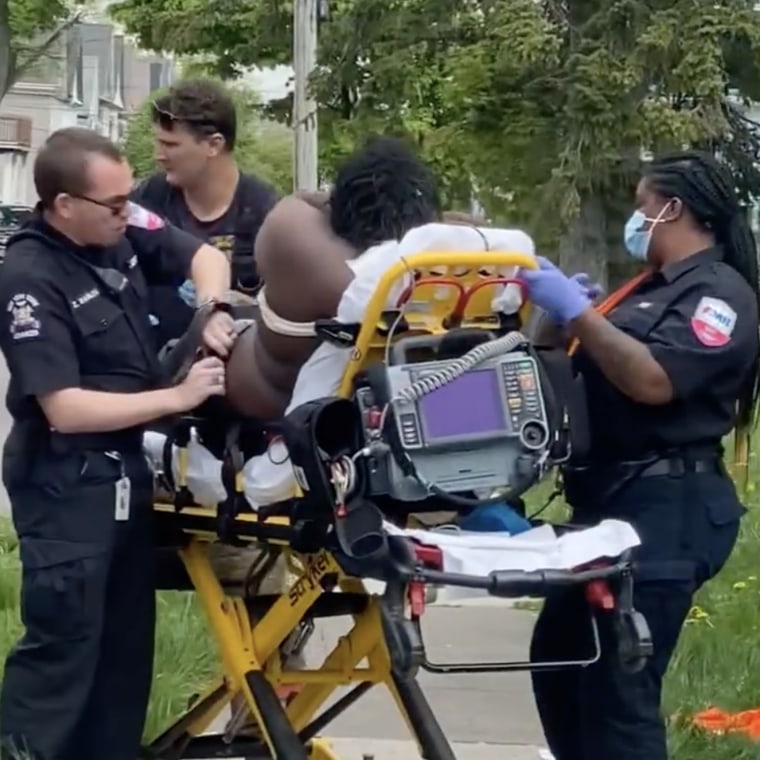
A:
(594, 244)
(583, 248)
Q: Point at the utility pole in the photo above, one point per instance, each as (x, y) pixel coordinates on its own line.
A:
(305, 21)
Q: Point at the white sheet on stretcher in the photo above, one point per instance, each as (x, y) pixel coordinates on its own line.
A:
(536, 549)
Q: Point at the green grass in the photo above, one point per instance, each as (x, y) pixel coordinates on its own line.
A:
(718, 658)
(717, 662)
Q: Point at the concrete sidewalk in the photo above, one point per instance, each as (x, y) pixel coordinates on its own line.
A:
(381, 749)
(489, 708)
(489, 716)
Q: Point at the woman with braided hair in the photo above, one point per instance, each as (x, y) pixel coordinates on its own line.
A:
(668, 373)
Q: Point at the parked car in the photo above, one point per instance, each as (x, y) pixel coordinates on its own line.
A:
(12, 216)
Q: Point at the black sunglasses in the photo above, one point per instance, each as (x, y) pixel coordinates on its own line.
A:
(115, 205)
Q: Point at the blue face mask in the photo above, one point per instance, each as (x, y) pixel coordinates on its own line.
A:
(636, 238)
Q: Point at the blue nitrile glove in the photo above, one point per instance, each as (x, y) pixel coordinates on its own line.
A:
(561, 297)
(592, 289)
(495, 518)
(187, 292)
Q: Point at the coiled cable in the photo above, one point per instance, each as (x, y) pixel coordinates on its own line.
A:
(458, 367)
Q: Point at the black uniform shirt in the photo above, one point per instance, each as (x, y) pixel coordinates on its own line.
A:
(73, 316)
(699, 319)
(233, 233)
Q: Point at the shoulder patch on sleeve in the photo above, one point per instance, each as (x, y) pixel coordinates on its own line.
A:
(23, 323)
(713, 322)
(139, 216)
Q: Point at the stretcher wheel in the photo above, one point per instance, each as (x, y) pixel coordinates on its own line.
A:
(634, 640)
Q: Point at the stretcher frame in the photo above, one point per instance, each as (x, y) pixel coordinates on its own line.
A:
(386, 630)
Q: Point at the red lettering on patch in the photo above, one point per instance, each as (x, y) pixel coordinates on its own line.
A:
(713, 322)
(139, 216)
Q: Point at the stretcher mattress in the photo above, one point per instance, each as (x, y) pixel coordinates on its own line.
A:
(462, 552)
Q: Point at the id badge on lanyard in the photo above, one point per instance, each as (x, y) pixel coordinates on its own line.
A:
(123, 490)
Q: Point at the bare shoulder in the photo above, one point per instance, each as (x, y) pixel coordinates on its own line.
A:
(294, 232)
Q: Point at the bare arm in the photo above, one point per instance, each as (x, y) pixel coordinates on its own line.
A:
(76, 410)
(626, 362)
(210, 272)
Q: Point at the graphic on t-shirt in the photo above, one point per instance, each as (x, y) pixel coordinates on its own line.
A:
(225, 243)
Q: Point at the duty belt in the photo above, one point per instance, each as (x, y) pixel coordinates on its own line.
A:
(677, 466)
(124, 441)
(589, 487)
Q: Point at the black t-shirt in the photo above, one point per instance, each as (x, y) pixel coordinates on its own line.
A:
(234, 233)
(699, 319)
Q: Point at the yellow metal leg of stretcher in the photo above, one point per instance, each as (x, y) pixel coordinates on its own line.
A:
(196, 720)
(321, 750)
(340, 667)
(379, 659)
(285, 614)
(224, 616)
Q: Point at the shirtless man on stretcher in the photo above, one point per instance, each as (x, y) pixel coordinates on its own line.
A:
(380, 193)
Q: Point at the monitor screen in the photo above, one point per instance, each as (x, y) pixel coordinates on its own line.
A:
(471, 405)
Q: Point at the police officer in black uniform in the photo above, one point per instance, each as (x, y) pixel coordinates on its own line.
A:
(667, 376)
(202, 190)
(84, 380)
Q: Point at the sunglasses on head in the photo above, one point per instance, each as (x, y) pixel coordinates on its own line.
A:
(167, 119)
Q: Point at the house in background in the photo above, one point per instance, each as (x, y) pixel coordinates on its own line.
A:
(15, 145)
(92, 77)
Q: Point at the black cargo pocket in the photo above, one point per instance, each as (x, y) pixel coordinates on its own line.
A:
(99, 469)
(62, 589)
(717, 513)
(57, 474)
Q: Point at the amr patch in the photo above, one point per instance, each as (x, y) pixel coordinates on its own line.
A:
(713, 322)
(23, 323)
(139, 216)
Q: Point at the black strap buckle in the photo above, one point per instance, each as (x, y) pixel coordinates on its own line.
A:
(337, 333)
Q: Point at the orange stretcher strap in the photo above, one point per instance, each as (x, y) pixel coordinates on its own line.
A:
(613, 300)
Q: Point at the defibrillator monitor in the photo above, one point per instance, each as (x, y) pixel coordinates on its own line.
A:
(470, 408)
(464, 430)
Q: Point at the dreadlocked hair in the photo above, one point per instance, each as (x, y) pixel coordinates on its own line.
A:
(381, 192)
(706, 188)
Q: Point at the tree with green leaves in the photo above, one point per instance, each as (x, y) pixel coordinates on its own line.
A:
(572, 94)
(28, 31)
(542, 108)
(263, 147)
(362, 83)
